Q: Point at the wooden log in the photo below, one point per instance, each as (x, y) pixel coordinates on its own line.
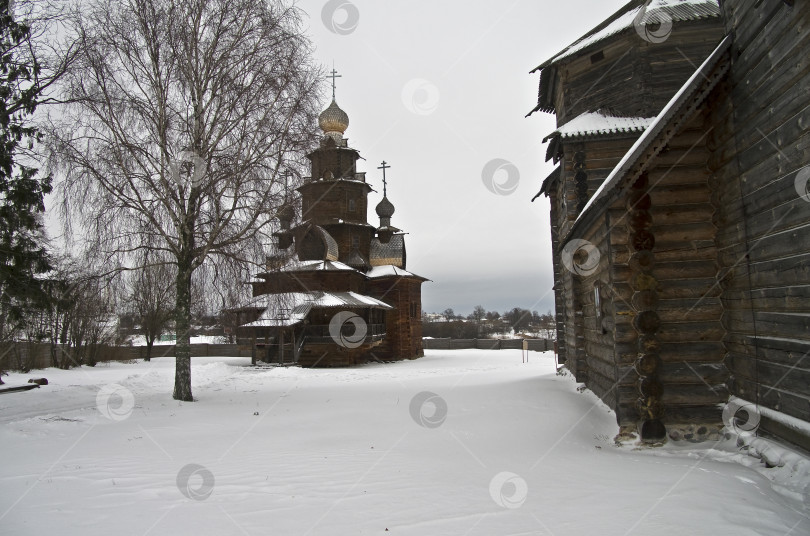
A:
(687, 332)
(683, 372)
(684, 270)
(694, 394)
(680, 236)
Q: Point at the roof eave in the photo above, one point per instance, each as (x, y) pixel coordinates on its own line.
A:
(618, 13)
(615, 134)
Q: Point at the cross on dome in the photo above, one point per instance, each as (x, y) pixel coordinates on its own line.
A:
(334, 121)
(334, 75)
(383, 167)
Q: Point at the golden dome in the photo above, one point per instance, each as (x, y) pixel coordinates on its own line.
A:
(333, 119)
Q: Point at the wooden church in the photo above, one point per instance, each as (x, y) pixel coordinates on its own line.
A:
(680, 215)
(336, 291)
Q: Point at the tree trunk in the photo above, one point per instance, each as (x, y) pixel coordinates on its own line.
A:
(182, 375)
(149, 344)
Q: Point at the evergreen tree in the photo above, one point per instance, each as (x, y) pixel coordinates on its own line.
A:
(23, 256)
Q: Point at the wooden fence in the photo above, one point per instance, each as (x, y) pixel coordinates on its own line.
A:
(537, 345)
(29, 355)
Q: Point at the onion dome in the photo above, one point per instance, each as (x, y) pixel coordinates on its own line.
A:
(286, 214)
(385, 209)
(334, 121)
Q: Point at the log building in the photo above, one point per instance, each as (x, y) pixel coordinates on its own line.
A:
(680, 215)
(336, 291)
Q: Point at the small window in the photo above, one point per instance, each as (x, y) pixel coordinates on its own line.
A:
(597, 300)
(355, 241)
(351, 205)
(599, 56)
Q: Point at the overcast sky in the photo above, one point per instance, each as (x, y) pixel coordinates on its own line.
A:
(439, 89)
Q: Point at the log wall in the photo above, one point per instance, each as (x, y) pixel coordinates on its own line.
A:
(404, 322)
(555, 202)
(689, 341)
(587, 339)
(761, 146)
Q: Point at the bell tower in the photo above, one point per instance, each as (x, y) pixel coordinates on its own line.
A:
(335, 196)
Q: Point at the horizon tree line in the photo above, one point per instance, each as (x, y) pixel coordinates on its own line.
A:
(481, 323)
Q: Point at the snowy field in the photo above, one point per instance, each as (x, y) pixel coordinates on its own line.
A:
(498, 448)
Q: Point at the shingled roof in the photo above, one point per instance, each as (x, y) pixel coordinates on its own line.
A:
(624, 19)
(590, 125)
(291, 308)
(391, 252)
(599, 123)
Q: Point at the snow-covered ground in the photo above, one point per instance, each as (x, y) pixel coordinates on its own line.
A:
(465, 442)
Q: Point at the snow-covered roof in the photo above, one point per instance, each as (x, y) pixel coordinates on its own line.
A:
(282, 312)
(294, 265)
(338, 180)
(345, 299)
(673, 107)
(291, 308)
(657, 11)
(389, 270)
(256, 302)
(599, 122)
(317, 266)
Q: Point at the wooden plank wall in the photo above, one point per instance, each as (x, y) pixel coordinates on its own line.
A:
(563, 196)
(403, 322)
(764, 231)
(597, 342)
(559, 303)
(587, 337)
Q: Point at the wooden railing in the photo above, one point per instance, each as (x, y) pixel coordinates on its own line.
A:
(320, 334)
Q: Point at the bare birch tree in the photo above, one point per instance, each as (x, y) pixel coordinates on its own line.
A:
(184, 117)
